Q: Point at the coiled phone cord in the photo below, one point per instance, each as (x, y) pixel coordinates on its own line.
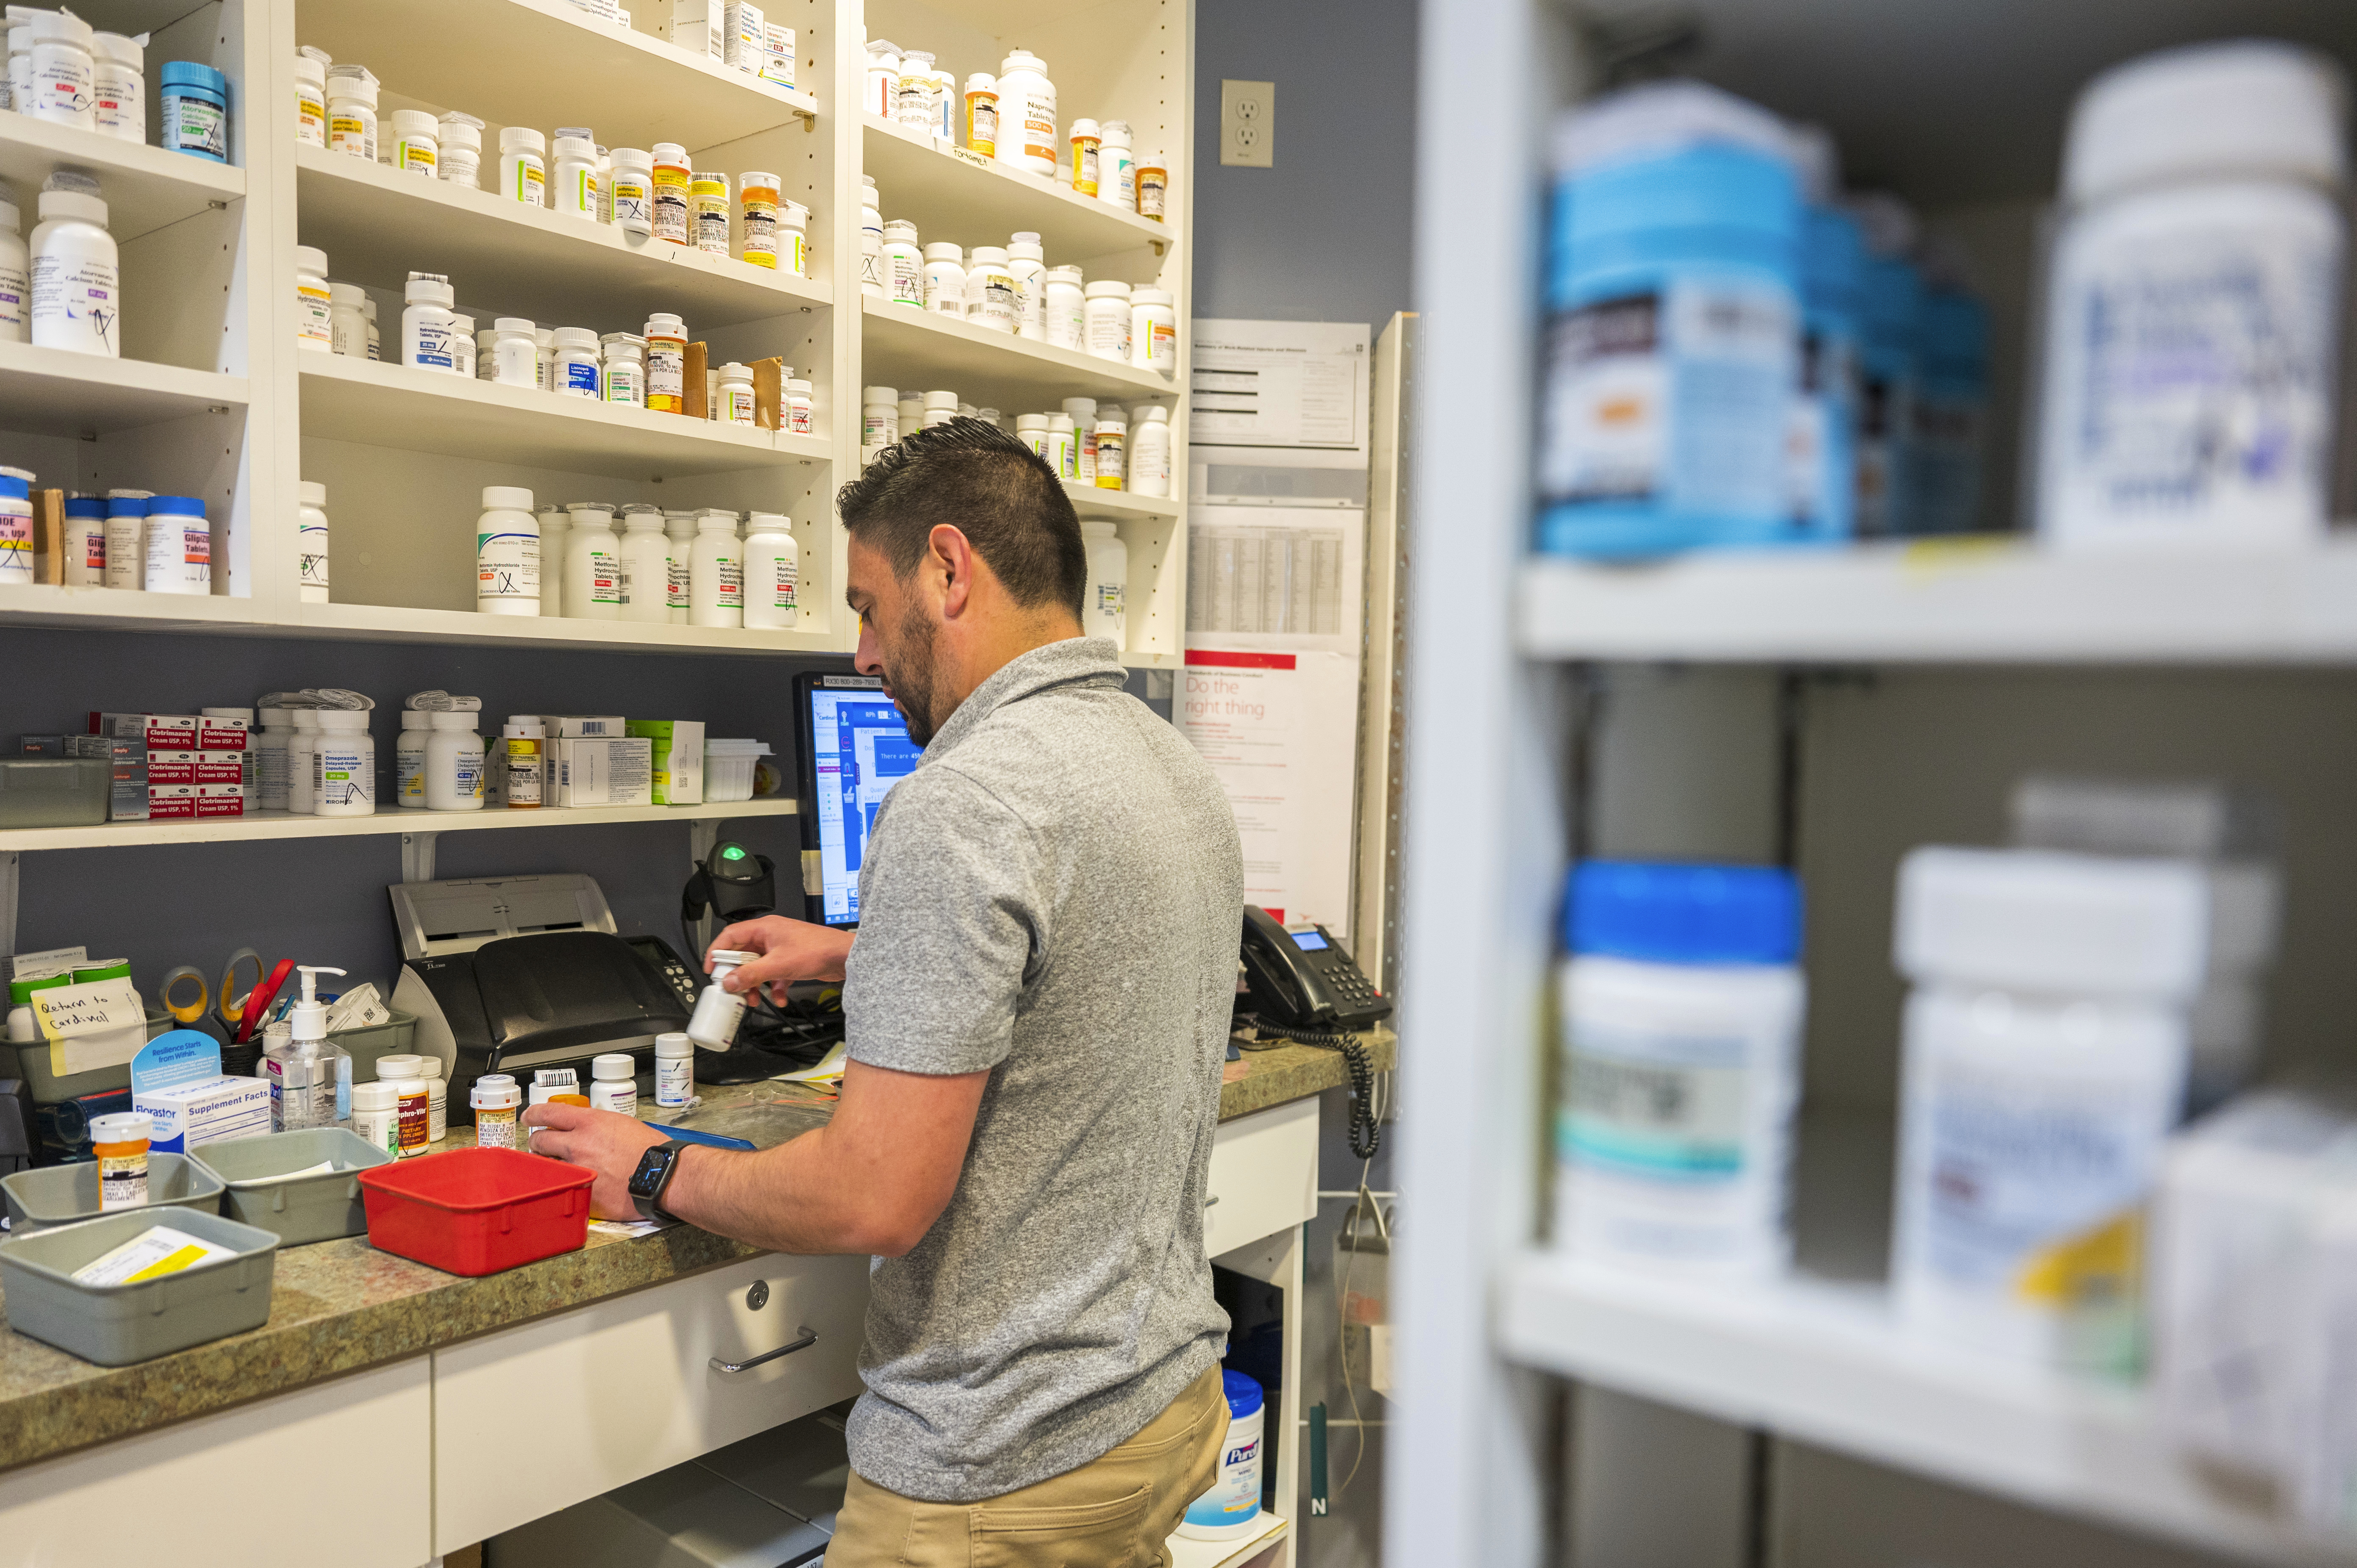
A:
(1366, 1133)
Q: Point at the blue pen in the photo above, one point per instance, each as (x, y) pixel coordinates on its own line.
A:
(690, 1135)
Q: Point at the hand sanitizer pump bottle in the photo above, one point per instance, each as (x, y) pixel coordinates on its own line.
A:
(310, 1078)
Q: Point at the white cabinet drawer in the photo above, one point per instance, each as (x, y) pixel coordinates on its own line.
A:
(1264, 1176)
(537, 1418)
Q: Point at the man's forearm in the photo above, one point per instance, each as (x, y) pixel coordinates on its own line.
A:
(786, 1199)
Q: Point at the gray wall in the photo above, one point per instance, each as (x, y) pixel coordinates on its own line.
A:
(1324, 235)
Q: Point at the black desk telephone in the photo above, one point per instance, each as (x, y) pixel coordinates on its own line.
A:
(1301, 980)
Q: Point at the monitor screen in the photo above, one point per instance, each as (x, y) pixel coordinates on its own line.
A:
(858, 748)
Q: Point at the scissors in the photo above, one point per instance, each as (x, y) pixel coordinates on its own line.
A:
(235, 1006)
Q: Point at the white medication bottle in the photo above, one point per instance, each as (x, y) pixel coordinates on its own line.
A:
(299, 747)
(375, 346)
(798, 408)
(1113, 441)
(574, 182)
(463, 336)
(514, 358)
(413, 1103)
(311, 539)
(991, 298)
(624, 367)
(1154, 331)
(1084, 412)
(944, 279)
(310, 100)
(773, 573)
(507, 553)
(1027, 115)
(674, 1072)
(912, 411)
(267, 776)
(593, 566)
(1026, 265)
(2193, 303)
(1680, 1000)
(707, 198)
(416, 142)
(1104, 603)
(679, 533)
(717, 1013)
(498, 1105)
(461, 151)
(913, 93)
(179, 555)
(544, 357)
(376, 1115)
(118, 99)
(576, 372)
(1231, 1509)
(314, 301)
(1032, 429)
(646, 565)
(60, 82)
(1065, 309)
(634, 191)
(880, 87)
(556, 538)
(409, 760)
(343, 766)
(85, 543)
(672, 180)
(348, 323)
(735, 394)
(793, 239)
(2043, 1063)
(523, 166)
(1107, 310)
(666, 339)
(77, 283)
(879, 419)
(16, 273)
(613, 1084)
(715, 584)
(871, 239)
(904, 264)
(454, 763)
(351, 112)
(1150, 452)
(427, 323)
(1116, 167)
(939, 408)
(1063, 451)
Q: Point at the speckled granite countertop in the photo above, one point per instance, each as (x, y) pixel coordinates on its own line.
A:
(342, 1306)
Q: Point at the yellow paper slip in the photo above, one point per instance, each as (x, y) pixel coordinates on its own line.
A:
(827, 1070)
(153, 1253)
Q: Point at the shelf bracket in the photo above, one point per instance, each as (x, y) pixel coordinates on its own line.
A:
(8, 905)
(417, 856)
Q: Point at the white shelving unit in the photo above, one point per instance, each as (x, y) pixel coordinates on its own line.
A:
(1530, 746)
(279, 826)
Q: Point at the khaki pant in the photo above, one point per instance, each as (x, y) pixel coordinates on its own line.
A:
(1112, 1512)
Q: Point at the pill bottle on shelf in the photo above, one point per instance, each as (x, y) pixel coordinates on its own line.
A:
(1084, 411)
(679, 533)
(773, 573)
(707, 196)
(625, 366)
(990, 290)
(982, 113)
(180, 547)
(343, 766)
(454, 764)
(1066, 314)
(880, 88)
(523, 166)
(347, 319)
(1116, 168)
(912, 96)
(1081, 167)
(592, 565)
(879, 420)
(735, 394)
(351, 112)
(574, 181)
(1063, 448)
(577, 369)
(945, 279)
(1113, 445)
(673, 178)
(871, 241)
(15, 273)
(793, 238)
(716, 574)
(118, 88)
(1150, 452)
(311, 540)
(2043, 1062)
(427, 323)
(507, 556)
(1026, 266)
(526, 745)
(614, 1084)
(1153, 177)
(1108, 309)
(798, 408)
(1679, 1001)
(314, 301)
(462, 345)
(904, 264)
(1105, 604)
(77, 274)
(513, 358)
(192, 104)
(58, 86)
(310, 100)
(646, 565)
(666, 337)
(299, 747)
(416, 142)
(1032, 429)
(1027, 115)
(461, 151)
(1154, 331)
(939, 408)
(544, 357)
(757, 207)
(633, 190)
(375, 342)
(85, 560)
(408, 761)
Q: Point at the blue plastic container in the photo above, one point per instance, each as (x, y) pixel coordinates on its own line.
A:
(1673, 348)
(1682, 912)
(1824, 450)
(1889, 303)
(1951, 412)
(195, 103)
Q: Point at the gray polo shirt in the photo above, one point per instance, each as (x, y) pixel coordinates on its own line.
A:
(1054, 893)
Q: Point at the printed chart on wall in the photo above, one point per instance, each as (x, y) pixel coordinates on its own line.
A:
(1278, 383)
(1270, 696)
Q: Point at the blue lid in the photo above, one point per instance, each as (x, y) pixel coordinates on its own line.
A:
(189, 73)
(1832, 260)
(87, 506)
(126, 506)
(14, 487)
(178, 506)
(1705, 187)
(1669, 913)
(1244, 1394)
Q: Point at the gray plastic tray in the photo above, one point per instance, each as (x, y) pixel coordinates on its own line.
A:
(313, 1209)
(64, 1195)
(117, 1324)
(368, 1045)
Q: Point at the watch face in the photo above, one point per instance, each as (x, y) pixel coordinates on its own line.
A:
(647, 1180)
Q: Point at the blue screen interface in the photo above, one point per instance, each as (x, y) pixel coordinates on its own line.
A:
(859, 749)
(1308, 941)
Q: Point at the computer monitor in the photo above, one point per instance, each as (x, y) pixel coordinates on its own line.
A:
(855, 748)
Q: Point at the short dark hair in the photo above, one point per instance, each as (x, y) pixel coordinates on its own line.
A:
(989, 486)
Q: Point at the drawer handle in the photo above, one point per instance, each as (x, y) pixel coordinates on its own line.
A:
(809, 1337)
(1210, 1200)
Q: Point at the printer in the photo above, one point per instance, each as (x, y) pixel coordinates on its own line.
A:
(512, 973)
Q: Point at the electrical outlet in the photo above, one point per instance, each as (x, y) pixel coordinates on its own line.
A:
(1248, 124)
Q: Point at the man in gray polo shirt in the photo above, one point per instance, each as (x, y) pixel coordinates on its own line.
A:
(1036, 1008)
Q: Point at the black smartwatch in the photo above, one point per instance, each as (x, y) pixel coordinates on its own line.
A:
(656, 1167)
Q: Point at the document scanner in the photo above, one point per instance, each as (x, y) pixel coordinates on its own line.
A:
(510, 973)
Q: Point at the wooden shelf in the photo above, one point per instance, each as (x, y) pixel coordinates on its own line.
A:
(144, 188)
(56, 391)
(390, 820)
(950, 195)
(393, 623)
(378, 404)
(1969, 601)
(533, 62)
(904, 347)
(377, 226)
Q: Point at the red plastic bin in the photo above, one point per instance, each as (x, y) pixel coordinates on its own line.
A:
(476, 1212)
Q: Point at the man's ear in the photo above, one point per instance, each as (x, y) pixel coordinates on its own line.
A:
(954, 555)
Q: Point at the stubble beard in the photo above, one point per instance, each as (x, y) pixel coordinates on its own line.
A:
(909, 671)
